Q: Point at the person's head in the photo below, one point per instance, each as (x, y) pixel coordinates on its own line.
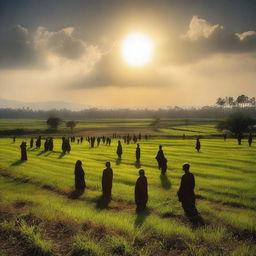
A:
(78, 163)
(186, 167)
(141, 172)
(138, 145)
(119, 142)
(160, 146)
(108, 164)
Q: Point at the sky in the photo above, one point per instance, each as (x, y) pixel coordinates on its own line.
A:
(72, 51)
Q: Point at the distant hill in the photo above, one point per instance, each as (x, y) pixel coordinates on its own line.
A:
(44, 105)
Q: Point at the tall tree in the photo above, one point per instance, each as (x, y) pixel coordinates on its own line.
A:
(71, 125)
(54, 122)
(221, 102)
(242, 100)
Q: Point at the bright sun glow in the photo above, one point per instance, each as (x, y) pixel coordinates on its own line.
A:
(137, 49)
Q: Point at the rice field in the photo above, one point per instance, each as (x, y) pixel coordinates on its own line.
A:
(39, 214)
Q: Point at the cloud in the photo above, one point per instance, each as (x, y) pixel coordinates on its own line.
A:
(203, 40)
(17, 48)
(20, 48)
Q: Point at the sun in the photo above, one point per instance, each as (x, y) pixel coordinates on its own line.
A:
(137, 49)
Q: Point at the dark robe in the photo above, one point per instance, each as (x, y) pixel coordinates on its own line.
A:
(107, 178)
(79, 178)
(250, 140)
(23, 148)
(119, 150)
(141, 192)
(138, 154)
(160, 158)
(31, 142)
(198, 145)
(186, 194)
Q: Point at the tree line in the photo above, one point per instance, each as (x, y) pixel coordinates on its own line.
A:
(241, 101)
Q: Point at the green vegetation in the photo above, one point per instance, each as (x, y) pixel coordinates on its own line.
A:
(40, 214)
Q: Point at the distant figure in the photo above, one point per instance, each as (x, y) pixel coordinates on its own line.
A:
(225, 137)
(161, 160)
(183, 136)
(198, 145)
(79, 176)
(119, 150)
(68, 147)
(81, 139)
(63, 146)
(31, 142)
(186, 194)
(38, 142)
(138, 153)
(250, 140)
(46, 145)
(141, 191)
(78, 140)
(13, 139)
(239, 138)
(51, 144)
(98, 141)
(23, 149)
(107, 178)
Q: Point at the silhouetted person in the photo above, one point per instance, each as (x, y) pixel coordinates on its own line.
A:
(141, 191)
(161, 160)
(23, 149)
(46, 145)
(250, 140)
(138, 153)
(186, 194)
(63, 146)
(79, 176)
(98, 141)
(198, 145)
(51, 144)
(38, 142)
(81, 139)
(31, 143)
(13, 139)
(119, 150)
(225, 137)
(107, 178)
(68, 147)
(239, 139)
(183, 136)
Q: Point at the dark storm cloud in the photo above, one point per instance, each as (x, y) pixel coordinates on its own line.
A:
(17, 48)
(20, 48)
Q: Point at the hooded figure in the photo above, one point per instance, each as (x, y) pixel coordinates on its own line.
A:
(31, 143)
(198, 144)
(23, 149)
(119, 150)
(138, 153)
(107, 178)
(79, 176)
(161, 160)
(141, 191)
(186, 193)
(250, 140)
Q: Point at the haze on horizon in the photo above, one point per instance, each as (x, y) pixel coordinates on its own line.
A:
(73, 51)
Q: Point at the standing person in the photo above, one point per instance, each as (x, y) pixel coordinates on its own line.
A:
(51, 144)
(239, 138)
(31, 142)
(198, 144)
(138, 153)
(23, 149)
(79, 176)
(68, 147)
(183, 136)
(13, 139)
(98, 141)
(250, 140)
(141, 191)
(225, 137)
(107, 178)
(119, 150)
(186, 194)
(38, 142)
(160, 157)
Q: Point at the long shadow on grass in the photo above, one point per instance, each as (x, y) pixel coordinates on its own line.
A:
(137, 164)
(42, 152)
(103, 202)
(18, 162)
(141, 216)
(118, 161)
(62, 154)
(165, 182)
(76, 194)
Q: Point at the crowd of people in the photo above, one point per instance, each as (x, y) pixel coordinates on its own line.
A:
(185, 193)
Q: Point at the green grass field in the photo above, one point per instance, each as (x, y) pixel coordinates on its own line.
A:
(39, 216)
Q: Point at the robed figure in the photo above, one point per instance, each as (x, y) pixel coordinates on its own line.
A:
(79, 176)
(119, 150)
(250, 140)
(186, 193)
(138, 153)
(107, 178)
(23, 151)
(161, 160)
(141, 191)
(198, 145)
